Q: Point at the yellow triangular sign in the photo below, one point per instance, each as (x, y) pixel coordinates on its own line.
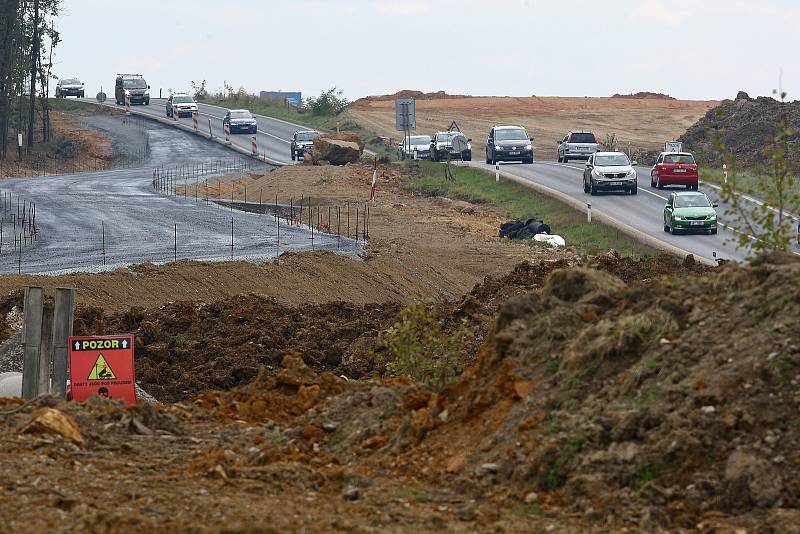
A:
(101, 370)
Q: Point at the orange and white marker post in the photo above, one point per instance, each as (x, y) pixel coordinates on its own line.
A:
(127, 104)
(175, 113)
(374, 183)
(227, 129)
(194, 120)
(254, 146)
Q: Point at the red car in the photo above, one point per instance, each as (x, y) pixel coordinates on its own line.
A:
(674, 168)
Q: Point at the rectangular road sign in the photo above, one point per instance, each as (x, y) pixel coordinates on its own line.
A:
(673, 146)
(405, 114)
(102, 365)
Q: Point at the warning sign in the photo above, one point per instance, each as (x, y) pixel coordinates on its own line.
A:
(102, 366)
(101, 370)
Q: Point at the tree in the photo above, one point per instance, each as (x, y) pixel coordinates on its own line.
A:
(330, 102)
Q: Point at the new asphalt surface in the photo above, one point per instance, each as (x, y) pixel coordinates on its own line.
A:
(116, 217)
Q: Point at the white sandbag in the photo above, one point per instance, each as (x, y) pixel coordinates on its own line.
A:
(552, 240)
(10, 384)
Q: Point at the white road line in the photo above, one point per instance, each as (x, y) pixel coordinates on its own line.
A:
(754, 201)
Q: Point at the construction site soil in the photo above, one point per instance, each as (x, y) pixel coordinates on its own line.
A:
(602, 395)
(745, 127)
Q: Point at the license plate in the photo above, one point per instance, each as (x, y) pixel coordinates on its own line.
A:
(697, 223)
(615, 183)
(679, 170)
(584, 149)
(514, 153)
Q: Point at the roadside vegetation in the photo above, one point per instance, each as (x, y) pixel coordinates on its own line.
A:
(767, 227)
(27, 40)
(479, 187)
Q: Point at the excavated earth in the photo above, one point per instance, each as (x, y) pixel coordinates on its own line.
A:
(602, 395)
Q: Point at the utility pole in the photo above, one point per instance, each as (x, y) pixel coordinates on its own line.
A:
(34, 57)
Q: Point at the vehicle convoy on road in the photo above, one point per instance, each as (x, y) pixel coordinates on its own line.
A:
(577, 145)
(417, 146)
(240, 121)
(134, 87)
(609, 171)
(675, 168)
(182, 104)
(509, 143)
(69, 87)
(690, 211)
(302, 141)
(442, 146)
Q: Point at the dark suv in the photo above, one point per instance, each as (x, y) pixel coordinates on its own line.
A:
(134, 87)
(302, 142)
(509, 143)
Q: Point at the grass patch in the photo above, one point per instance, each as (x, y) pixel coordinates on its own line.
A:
(69, 104)
(527, 510)
(518, 201)
(412, 495)
(643, 476)
(556, 475)
(747, 182)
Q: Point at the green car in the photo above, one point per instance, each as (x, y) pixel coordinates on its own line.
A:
(690, 211)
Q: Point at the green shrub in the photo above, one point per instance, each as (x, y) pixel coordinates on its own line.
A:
(419, 347)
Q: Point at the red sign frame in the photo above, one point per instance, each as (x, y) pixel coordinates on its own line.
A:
(102, 365)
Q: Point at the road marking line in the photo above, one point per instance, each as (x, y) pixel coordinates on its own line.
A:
(753, 200)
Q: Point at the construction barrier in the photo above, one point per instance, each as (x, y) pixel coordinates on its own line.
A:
(254, 146)
(127, 104)
(194, 120)
(227, 129)
(175, 113)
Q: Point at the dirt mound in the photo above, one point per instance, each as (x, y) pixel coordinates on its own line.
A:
(744, 126)
(405, 93)
(641, 95)
(664, 405)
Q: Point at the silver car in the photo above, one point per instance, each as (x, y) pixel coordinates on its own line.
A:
(415, 147)
(609, 171)
(577, 145)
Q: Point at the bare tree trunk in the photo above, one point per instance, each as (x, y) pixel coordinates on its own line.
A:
(35, 50)
(8, 16)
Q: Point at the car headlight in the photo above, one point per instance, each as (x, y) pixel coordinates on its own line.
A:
(127, 93)
(469, 146)
(631, 172)
(596, 173)
(678, 218)
(147, 92)
(712, 217)
(528, 147)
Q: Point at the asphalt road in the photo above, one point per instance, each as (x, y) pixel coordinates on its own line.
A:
(73, 211)
(273, 138)
(643, 212)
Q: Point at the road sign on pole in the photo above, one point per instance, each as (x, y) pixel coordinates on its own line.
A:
(673, 146)
(406, 114)
(102, 366)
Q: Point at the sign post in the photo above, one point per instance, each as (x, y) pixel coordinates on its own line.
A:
(673, 146)
(405, 110)
(102, 366)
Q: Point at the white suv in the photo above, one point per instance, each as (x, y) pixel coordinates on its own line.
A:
(577, 145)
(182, 103)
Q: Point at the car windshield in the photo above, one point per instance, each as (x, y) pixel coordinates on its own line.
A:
(510, 134)
(582, 138)
(687, 159)
(613, 160)
(70, 81)
(240, 115)
(182, 99)
(444, 137)
(134, 84)
(307, 136)
(692, 201)
(420, 140)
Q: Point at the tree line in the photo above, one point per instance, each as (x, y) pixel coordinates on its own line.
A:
(27, 39)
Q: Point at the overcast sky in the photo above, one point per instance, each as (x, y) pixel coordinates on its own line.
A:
(690, 49)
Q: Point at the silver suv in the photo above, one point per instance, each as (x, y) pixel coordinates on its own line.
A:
(577, 145)
(69, 87)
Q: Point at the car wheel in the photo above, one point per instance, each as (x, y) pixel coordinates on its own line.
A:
(652, 181)
(488, 159)
(714, 231)
(634, 190)
(695, 187)
(592, 188)
(689, 187)
(666, 228)
(560, 159)
(658, 183)
(293, 156)
(672, 229)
